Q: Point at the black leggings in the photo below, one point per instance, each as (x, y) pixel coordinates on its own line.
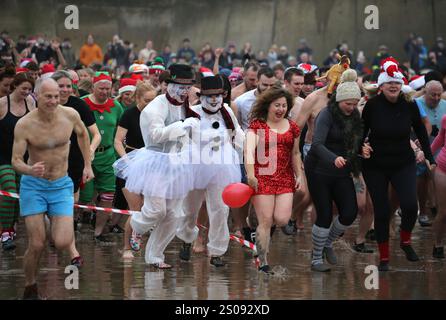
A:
(403, 181)
(326, 189)
(119, 201)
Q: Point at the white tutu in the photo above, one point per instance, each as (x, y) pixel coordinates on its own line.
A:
(221, 172)
(156, 174)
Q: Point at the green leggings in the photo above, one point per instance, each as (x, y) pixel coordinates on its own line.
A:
(9, 207)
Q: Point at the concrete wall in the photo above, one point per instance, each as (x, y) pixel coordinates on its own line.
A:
(323, 22)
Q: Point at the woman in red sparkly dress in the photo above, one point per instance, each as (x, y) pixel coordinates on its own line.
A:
(272, 164)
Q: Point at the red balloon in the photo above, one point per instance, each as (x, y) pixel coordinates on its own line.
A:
(236, 195)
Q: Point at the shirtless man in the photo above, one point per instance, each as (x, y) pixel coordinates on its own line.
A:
(310, 109)
(294, 82)
(45, 186)
(249, 80)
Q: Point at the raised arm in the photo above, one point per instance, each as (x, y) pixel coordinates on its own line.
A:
(305, 111)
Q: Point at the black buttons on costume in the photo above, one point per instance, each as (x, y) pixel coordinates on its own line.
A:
(216, 140)
(216, 125)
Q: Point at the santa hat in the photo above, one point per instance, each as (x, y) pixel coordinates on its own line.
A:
(102, 77)
(156, 69)
(137, 77)
(21, 70)
(126, 85)
(25, 62)
(407, 89)
(417, 82)
(48, 68)
(138, 68)
(47, 71)
(235, 76)
(206, 72)
(390, 72)
(307, 68)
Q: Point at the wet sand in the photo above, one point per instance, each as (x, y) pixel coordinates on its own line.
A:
(105, 276)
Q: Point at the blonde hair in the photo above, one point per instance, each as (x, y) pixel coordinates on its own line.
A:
(88, 71)
(141, 88)
(85, 84)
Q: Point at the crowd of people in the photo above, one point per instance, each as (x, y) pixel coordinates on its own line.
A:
(164, 134)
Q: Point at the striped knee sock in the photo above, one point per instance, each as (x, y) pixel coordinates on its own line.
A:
(320, 236)
(8, 206)
(336, 230)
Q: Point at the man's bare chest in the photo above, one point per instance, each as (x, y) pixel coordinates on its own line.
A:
(51, 136)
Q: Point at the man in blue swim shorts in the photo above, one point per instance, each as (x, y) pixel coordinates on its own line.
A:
(45, 186)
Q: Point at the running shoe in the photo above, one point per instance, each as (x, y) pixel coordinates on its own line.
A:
(117, 229)
(217, 261)
(77, 262)
(135, 241)
(185, 251)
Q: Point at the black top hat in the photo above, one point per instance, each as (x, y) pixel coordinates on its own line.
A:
(181, 74)
(211, 86)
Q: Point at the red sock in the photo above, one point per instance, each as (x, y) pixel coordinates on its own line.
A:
(383, 251)
(405, 237)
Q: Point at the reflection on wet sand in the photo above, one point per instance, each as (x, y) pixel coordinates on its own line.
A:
(106, 276)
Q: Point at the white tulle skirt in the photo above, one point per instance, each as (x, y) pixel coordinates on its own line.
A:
(220, 173)
(173, 175)
(157, 174)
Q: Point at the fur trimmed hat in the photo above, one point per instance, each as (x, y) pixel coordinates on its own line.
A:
(390, 72)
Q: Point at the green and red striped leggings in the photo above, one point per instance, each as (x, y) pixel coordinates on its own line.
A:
(9, 207)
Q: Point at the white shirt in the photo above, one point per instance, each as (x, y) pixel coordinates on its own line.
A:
(244, 105)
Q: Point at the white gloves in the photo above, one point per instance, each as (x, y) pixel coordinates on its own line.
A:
(192, 123)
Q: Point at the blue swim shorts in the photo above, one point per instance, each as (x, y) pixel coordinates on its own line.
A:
(39, 196)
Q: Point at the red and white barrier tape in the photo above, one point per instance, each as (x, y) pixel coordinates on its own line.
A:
(108, 210)
(246, 243)
(243, 242)
(9, 194)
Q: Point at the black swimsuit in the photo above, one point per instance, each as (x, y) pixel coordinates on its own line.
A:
(7, 126)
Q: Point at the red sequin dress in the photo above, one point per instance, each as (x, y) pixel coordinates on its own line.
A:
(273, 160)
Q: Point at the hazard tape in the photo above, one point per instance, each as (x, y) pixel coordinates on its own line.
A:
(107, 210)
(232, 237)
(9, 194)
(243, 242)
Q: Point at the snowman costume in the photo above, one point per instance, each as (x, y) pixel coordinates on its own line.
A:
(162, 171)
(218, 166)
